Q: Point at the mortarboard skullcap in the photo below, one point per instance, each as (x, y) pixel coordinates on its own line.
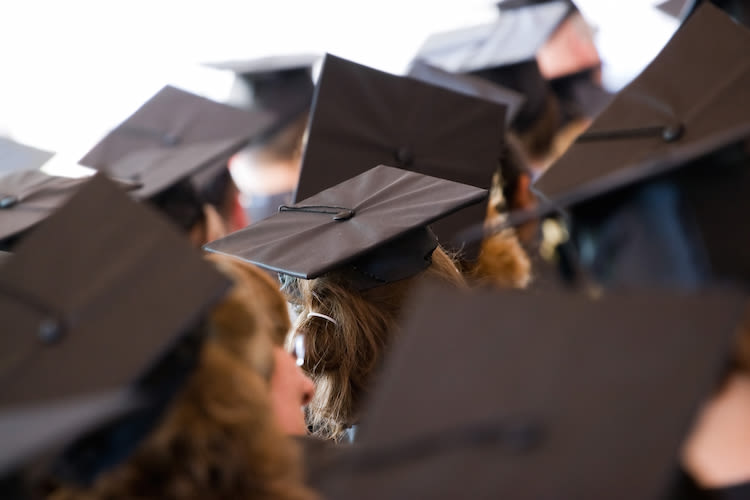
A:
(281, 85)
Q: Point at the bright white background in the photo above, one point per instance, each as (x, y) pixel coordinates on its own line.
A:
(73, 69)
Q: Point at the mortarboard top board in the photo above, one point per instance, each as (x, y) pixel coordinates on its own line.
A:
(659, 123)
(29, 197)
(534, 403)
(374, 226)
(469, 85)
(156, 169)
(363, 117)
(15, 156)
(172, 118)
(281, 85)
(86, 320)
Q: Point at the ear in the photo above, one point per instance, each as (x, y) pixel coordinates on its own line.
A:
(523, 197)
(215, 227)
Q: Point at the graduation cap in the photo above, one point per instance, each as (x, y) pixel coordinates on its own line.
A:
(503, 52)
(514, 37)
(83, 323)
(372, 228)
(469, 85)
(15, 156)
(29, 197)
(537, 403)
(281, 85)
(179, 121)
(362, 117)
(671, 156)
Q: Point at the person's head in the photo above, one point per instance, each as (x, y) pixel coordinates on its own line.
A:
(351, 253)
(290, 389)
(347, 333)
(183, 205)
(267, 171)
(221, 193)
(219, 437)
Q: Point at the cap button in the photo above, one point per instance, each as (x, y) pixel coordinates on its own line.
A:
(404, 156)
(523, 436)
(673, 132)
(49, 331)
(7, 201)
(343, 215)
(169, 140)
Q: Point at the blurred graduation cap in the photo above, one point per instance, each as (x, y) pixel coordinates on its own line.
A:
(15, 156)
(469, 85)
(84, 324)
(166, 131)
(280, 85)
(372, 228)
(29, 197)
(503, 52)
(658, 184)
(541, 396)
(362, 117)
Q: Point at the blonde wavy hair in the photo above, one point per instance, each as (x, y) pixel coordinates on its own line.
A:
(217, 439)
(343, 357)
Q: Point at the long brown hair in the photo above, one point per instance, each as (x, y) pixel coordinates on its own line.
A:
(218, 439)
(343, 357)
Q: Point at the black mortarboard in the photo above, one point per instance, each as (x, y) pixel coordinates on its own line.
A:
(503, 52)
(156, 169)
(513, 38)
(174, 118)
(15, 156)
(28, 197)
(280, 85)
(373, 225)
(661, 221)
(362, 117)
(469, 85)
(509, 395)
(92, 300)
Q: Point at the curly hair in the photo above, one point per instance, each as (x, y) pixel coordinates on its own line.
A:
(218, 439)
(342, 358)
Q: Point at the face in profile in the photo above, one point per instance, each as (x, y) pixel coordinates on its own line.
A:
(290, 390)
